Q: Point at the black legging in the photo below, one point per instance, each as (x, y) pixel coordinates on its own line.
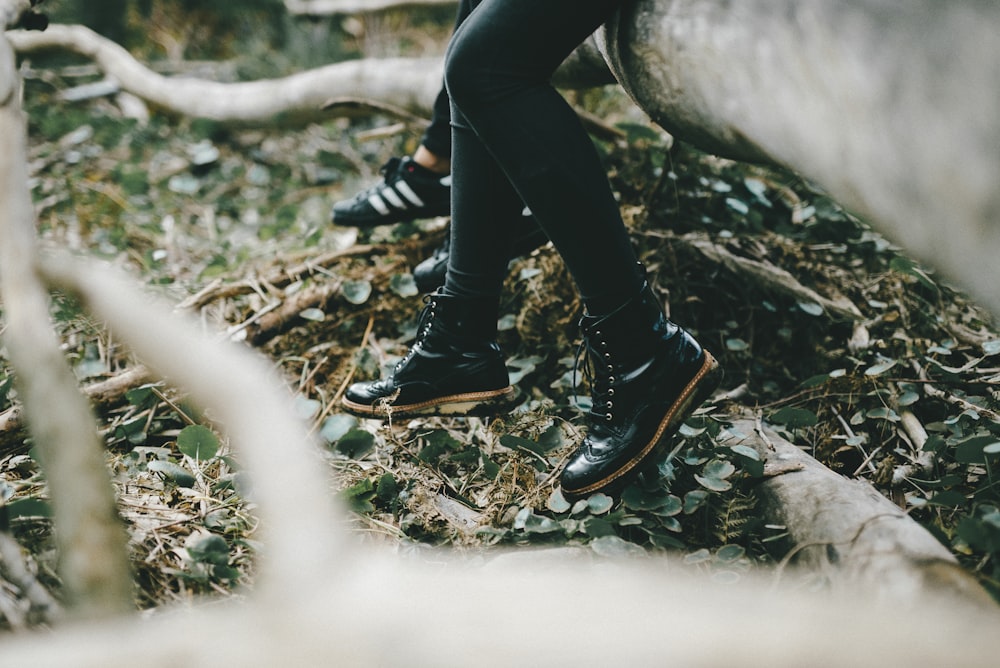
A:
(515, 139)
(437, 136)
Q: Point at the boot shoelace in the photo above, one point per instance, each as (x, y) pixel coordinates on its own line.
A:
(602, 384)
(423, 327)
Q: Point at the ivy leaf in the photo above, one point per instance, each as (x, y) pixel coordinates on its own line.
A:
(356, 443)
(880, 368)
(356, 292)
(713, 484)
(557, 503)
(335, 426)
(404, 285)
(179, 475)
(599, 504)
(792, 417)
(197, 442)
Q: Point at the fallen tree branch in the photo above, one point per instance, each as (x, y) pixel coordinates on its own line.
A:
(328, 7)
(243, 394)
(91, 540)
(767, 276)
(846, 531)
(405, 83)
(278, 278)
(16, 571)
(102, 395)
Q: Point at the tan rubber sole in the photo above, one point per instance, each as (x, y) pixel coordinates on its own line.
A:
(475, 404)
(692, 396)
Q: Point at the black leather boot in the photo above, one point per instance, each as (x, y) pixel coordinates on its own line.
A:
(455, 367)
(648, 376)
(527, 236)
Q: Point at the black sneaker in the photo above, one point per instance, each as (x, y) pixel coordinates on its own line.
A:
(407, 191)
(429, 274)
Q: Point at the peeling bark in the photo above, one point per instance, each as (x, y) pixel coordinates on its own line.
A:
(847, 532)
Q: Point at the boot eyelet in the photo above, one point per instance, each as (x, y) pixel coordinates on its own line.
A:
(611, 391)
(607, 356)
(610, 368)
(611, 380)
(611, 405)
(608, 417)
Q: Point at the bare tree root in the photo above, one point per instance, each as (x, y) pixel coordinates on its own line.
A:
(14, 567)
(406, 83)
(91, 539)
(328, 7)
(768, 276)
(278, 278)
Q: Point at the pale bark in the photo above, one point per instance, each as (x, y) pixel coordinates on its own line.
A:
(244, 395)
(373, 609)
(891, 107)
(407, 83)
(327, 7)
(91, 538)
(848, 533)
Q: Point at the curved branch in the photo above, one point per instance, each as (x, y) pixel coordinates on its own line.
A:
(91, 539)
(407, 83)
(328, 7)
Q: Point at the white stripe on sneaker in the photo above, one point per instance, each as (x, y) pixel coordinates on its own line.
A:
(378, 205)
(390, 195)
(406, 191)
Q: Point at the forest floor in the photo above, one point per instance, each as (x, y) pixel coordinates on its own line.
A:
(826, 330)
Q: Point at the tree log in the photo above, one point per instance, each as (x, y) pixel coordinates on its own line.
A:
(328, 7)
(846, 532)
(891, 107)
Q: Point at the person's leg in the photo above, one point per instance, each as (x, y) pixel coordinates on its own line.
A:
(509, 121)
(648, 374)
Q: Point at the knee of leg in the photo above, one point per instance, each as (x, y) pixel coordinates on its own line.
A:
(463, 75)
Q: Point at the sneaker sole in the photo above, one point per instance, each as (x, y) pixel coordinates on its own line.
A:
(347, 220)
(469, 404)
(694, 394)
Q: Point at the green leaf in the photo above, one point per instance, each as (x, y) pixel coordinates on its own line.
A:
(198, 442)
(540, 524)
(490, 468)
(359, 496)
(736, 345)
(948, 499)
(313, 314)
(973, 450)
(356, 292)
(595, 527)
(694, 500)
(335, 426)
(812, 308)
(714, 484)
(356, 443)
(793, 417)
(179, 475)
(24, 508)
(613, 546)
(404, 285)
(718, 468)
(880, 368)
(387, 488)
(730, 553)
(599, 504)
(211, 549)
(557, 503)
